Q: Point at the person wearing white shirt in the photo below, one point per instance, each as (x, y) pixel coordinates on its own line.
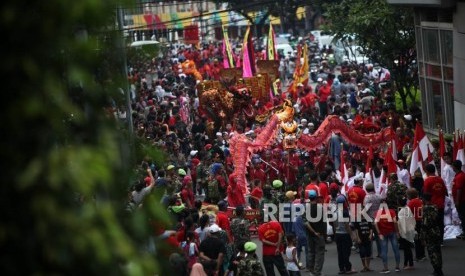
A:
(403, 174)
(305, 129)
(447, 173)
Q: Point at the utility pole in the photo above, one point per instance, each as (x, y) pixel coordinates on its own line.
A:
(122, 48)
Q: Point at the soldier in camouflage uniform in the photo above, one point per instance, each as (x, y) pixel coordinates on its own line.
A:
(240, 228)
(250, 265)
(431, 233)
(202, 175)
(395, 191)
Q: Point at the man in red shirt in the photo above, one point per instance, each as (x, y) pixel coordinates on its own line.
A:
(323, 185)
(416, 204)
(256, 172)
(271, 235)
(434, 185)
(458, 193)
(222, 218)
(313, 185)
(324, 92)
(187, 194)
(356, 196)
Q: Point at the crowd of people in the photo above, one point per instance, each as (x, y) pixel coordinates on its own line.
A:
(208, 238)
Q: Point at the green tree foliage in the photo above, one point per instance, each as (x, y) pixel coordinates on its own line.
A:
(385, 32)
(285, 9)
(65, 163)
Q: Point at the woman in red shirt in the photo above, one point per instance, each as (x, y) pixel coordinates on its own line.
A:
(387, 229)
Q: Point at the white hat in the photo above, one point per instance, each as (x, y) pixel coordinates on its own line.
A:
(319, 79)
(219, 134)
(408, 117)
(193, 152)
(250, 132)
(303, 121)
(214, 228)
(311, 124)
(349, 120)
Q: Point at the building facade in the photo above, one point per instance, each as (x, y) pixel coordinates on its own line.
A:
(440, 43)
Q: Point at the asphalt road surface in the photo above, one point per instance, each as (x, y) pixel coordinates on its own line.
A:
(453, 256)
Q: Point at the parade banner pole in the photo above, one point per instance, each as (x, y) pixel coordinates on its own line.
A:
(268, 164)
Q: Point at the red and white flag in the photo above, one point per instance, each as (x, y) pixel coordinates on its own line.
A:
(442, 150)
(422, 150)
(343, 173)
(382, 186)
(461, 149)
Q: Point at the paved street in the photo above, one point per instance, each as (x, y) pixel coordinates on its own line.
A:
(453, 261)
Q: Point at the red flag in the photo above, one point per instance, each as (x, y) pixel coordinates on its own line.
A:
(370, 158)
(460, 149)
(390, 162)
(442, 150)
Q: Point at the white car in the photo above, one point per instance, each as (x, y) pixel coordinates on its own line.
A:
(285, 50)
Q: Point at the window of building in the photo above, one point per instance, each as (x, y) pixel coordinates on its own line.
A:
(424, 102)
(447, 46)
(431, 45)
(435, 55)
(419, 43)
(435, 88)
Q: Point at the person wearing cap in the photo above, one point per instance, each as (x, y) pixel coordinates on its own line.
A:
(343, 234)
(403, 174)
(213, 250)
(250, 265)
(173, 177)
(355, 196)
(366, 101)
(315, 222)
(287, 206)
(313, 185)
(304, 126)
(323, 92)
(181, 173)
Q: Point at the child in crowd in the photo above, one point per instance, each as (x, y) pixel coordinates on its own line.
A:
(190, 249)
(292, 262)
